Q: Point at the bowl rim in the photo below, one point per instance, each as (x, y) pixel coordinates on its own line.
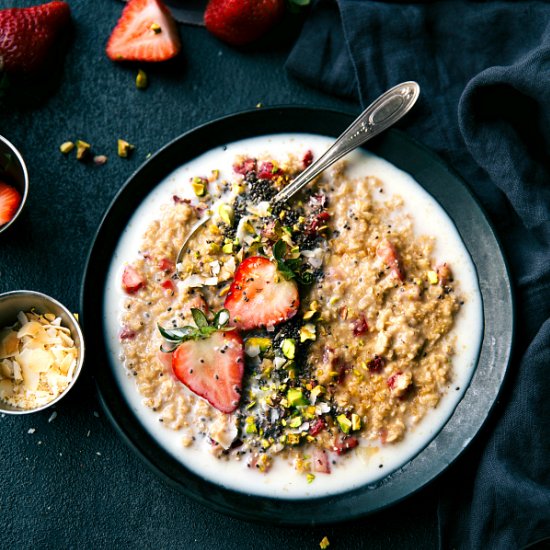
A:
(483, 389)
(81, 347)
(19, 157)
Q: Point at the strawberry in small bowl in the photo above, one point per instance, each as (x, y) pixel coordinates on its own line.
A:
(14, 184)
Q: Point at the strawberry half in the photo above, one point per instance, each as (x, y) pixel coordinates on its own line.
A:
(212, 368)
(132, 281)
(259, 296)
(239, 22)
(28, 34)
(146, 31)
(10, 199)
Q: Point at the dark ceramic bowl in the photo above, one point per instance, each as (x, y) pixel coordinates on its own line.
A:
(477, 234)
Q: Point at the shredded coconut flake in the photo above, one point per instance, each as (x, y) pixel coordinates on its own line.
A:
(38, 358)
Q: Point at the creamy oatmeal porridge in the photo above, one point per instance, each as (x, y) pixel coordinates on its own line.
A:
(293, 344)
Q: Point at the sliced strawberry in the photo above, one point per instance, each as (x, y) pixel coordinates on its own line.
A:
(145, 31)
(343, 444)
(168, 285)
(307, 159)
(213, 368)
(127, 333)
(259, 296)
(321, 463)
(387, 252)
(166, 265)
(132, 281)
(10, 199)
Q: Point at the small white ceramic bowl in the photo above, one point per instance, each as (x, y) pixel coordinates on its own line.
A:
(14, 172)
(11, 303)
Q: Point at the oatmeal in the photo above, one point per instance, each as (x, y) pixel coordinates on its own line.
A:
(337, 317)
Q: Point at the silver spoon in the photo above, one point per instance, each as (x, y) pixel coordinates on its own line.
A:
(377, 117)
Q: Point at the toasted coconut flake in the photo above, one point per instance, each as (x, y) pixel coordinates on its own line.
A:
(38, 359)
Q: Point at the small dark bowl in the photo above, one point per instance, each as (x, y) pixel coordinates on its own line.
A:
(14, 172)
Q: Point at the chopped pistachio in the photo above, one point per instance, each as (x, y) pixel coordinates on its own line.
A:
(296, 397)
(141, 80)
(82, 149)
(307, 332)
(324, 543)
(289, 348)
(355, 422)
(334, 300)
(250, 427)
(265, 443)
(124, 148)
(227, 248)
(66, 147)
(293, 439)
(432, 277)
(156, 28)
(214, 248)
(249, 228)
(310, 478)
(199, 186)
(226, 213)
(315, 393)
(344, 422)
(263, 343)
(296, 422)
(224, 290)
(309, 315)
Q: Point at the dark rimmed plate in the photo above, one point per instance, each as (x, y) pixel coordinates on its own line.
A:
(477, 234)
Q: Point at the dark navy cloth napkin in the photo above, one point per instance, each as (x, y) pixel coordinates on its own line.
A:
(484, 70)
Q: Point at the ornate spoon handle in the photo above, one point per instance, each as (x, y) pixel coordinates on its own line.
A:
(379, 115)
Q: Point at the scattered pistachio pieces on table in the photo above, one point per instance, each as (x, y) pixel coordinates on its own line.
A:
(124, 148)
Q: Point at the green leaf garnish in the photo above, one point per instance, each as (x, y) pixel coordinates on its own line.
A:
(293, 268)
(176, 336)
(199, 317)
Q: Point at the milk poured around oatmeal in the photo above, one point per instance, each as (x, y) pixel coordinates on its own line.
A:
(360, 379)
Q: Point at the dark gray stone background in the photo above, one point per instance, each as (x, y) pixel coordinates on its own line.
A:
(73, 483)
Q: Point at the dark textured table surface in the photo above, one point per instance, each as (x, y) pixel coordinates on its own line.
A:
(73, 483)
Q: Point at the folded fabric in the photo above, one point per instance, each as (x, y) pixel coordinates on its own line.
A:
(484, 70)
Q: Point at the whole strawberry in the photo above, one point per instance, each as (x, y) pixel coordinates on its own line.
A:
(240, 22)
(28, 34)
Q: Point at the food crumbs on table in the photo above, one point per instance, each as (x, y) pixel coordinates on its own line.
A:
(82, 149)
(100, 160)
(325, 543)
(31, 430)
(66, 147)
(141, 80)
(53, 416)
(124, 148)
